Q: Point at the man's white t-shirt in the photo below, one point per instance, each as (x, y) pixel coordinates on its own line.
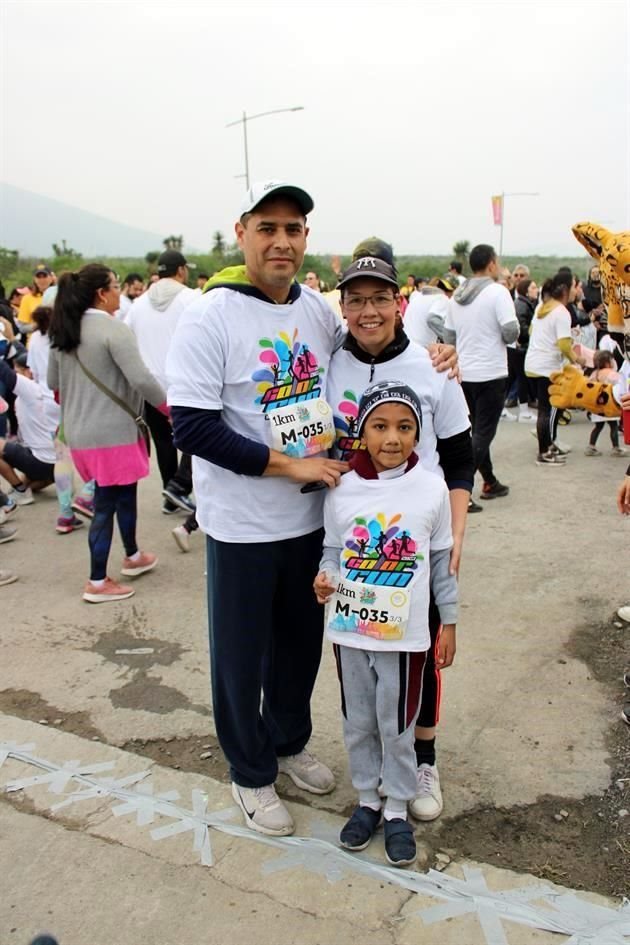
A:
(38, 418)
(154, 328)
(444, 408)
(477, 326)
(385, 529)
(125, 307)
(420, 307)
(247, 357)
(543, 354)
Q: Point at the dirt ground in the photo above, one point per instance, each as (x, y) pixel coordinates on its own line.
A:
(539, 560)
(584, 844)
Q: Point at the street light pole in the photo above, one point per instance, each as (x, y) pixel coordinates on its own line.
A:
(244, 119)
(519, 193)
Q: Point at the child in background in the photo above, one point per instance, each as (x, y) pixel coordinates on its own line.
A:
(606, 373)
(387, 543)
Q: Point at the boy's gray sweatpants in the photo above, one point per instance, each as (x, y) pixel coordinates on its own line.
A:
(380, 695)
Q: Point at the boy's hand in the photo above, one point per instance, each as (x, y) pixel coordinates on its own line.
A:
(324, 590)
(446, 646)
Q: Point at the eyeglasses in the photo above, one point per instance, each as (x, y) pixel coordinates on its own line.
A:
(356, 303)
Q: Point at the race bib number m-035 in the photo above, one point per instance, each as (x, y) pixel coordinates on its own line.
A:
(302, 429)
(373, 611)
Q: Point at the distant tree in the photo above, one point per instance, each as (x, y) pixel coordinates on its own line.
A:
(174, 242)
(461, 249)
(9, 261)
(65, 251)
(151, 258)
(218, 244)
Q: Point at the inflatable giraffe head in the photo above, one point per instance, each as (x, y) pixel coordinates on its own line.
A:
(612, 252)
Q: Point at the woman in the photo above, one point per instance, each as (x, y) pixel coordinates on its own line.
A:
(96, 367)
(42, 279)
(525, 304)
(377, 349)
(550, 342)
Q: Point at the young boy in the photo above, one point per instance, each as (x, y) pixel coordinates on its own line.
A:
(388, 541)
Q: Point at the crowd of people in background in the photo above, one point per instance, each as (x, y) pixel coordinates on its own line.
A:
(83, 381)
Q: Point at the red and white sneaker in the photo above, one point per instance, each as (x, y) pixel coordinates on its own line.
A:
(83, 506)
(110, 590)
(66, 525)
(144, 562)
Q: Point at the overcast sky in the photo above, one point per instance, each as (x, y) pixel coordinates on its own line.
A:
(415, 113)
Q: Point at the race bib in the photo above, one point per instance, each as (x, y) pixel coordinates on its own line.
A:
(374, 611)
(302, 429)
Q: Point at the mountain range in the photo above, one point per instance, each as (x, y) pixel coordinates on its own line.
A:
(31, 223)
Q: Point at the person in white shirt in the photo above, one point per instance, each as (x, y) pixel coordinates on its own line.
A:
(38, 418)
(387, 543)
(550, 342)
(481, 322)
(426, 312)
(153, 318)
(247, 370)
(132, 288)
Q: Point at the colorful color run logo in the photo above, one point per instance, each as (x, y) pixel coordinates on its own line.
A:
(290, 372)
(346, 422)
(380, 552)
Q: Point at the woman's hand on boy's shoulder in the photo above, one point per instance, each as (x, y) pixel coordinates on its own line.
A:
(444, 358)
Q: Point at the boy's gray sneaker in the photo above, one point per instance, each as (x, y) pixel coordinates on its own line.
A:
(263, 810)
(307, 772)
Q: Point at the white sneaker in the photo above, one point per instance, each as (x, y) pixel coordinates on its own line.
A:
(624, 613)
(506, 415)
(527, 417)
(182, 537)
(24, 497)
(307, 772)
(263, 810)
(428, 803)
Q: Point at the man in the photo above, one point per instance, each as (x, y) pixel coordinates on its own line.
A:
(202, 278)
(153, 318)
(311, 279)
(481, 321)
(455, 270)
(424, 318)
(131, 289)
(248, 358)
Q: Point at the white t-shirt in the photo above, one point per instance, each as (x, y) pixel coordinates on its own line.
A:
(37, 357)
(543, 354)
(444, 408)
(477, 326)
(385, 529)
(420, 306)
(247, 357)
(154, 328)
(38, 418)
(125, 306)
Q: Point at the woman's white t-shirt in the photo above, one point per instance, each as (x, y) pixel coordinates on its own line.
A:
(543, 354)
(444, 408)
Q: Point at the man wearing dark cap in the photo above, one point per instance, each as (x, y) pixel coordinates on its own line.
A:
(153, 317)
(247, 370)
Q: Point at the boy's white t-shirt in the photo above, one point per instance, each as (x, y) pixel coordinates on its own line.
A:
(247, 357)
(38, 418)
(444, 408)
(477, 326)
(543, 354)
(385, 529)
